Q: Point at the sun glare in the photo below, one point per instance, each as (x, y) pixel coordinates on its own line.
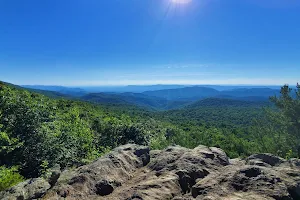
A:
(181, 1)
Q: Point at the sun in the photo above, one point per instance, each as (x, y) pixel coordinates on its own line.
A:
(181, 1)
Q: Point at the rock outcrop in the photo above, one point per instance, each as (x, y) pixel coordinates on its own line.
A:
(133, 172)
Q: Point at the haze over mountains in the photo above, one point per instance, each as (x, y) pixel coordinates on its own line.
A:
(139, 88)
(161, 97)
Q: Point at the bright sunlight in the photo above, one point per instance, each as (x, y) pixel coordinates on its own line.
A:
(181, 1)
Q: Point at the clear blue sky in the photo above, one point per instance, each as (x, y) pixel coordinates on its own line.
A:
(100, 42)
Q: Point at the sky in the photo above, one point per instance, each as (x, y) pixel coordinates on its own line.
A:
(143, 42)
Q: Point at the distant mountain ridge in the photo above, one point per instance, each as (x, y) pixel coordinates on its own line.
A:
(187, 93)
(197, 92)
(75, 92)
(139, 88)
(177, 96)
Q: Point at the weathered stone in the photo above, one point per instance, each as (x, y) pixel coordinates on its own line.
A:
(104, 188)
(133, 172)
(144, 154)
(30, 189)
(267, 158)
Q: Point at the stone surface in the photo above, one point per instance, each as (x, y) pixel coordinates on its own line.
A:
(265, 159)
(132, 172)
(30, 189)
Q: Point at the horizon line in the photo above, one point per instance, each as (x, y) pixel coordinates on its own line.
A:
(108, 85)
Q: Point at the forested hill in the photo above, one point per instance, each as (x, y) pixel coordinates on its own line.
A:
(74, 92)
(224, 102)
(137, 99)
(48, 93)
(217, 112)
(38, 132)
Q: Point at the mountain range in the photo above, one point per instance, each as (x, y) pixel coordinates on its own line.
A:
(174, 97)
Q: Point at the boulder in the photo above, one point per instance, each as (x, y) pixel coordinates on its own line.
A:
(245, 182)
(30, 189)
(265, 160)
(103, 176)
(133, 172)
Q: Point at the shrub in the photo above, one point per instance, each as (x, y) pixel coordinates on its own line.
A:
(9, 177)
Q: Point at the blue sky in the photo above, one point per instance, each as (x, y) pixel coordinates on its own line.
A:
(120, 42)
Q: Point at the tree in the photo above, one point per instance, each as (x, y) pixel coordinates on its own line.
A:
(289, 113)
(279, 132)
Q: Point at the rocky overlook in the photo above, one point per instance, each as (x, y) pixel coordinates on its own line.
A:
(133, 172)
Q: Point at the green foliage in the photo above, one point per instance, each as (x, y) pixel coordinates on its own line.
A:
(37, 133)
(44, 166)
(279, 131)
(68, 138)
(289, 155)
(231, 142)
(9, 177)
(215, 112)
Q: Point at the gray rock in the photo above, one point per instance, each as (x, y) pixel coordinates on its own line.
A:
(133, 172)
(104, 188)
(267, 159)
(239, 182)
(30, 189)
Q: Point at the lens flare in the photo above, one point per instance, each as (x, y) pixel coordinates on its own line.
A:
(181, 1)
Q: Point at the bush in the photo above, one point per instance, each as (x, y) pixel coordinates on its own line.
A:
(9, 177)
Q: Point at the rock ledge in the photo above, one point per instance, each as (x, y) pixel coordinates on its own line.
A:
(133, 172)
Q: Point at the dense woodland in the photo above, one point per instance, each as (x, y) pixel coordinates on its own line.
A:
(38, 132)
